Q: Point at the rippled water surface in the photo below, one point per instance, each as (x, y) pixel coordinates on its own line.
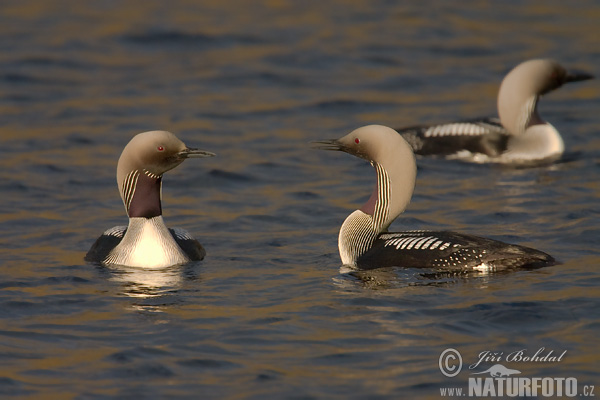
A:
(268, 314)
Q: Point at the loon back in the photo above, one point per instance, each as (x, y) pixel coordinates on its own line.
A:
(484, 136)
(444, 250)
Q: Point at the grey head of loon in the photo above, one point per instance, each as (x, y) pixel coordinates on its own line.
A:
(394, 162)
(146, 241)
(524, 84)
(141, 166)
(364, 241)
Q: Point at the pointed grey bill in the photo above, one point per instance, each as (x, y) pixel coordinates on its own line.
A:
(338, 145)
(195, 153)
(577, 75)
(329, 144)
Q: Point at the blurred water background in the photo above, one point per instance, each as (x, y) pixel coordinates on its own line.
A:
(268, 314)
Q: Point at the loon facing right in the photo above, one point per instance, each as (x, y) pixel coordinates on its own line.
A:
(364, 241)
(521, 136)
(146, 241)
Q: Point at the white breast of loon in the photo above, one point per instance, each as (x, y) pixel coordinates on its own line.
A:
(356, 236)
(147, 243)
(537, 143)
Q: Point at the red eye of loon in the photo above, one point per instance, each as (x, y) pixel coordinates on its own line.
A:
(357, 140)
(160, 148)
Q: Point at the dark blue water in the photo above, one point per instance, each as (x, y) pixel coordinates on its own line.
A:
(268, 314)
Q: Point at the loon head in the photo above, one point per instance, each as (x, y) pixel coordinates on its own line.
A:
(394, 162)
(521, 88)
(142, 163)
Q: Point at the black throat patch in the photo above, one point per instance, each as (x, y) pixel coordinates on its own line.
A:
(146, 197)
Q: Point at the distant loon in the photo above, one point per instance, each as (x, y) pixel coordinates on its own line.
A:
(364, 241)
(520, 136)
(146, 241)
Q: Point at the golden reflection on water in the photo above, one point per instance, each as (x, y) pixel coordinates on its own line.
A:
(143, 283)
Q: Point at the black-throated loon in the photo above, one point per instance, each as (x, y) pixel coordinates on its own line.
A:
(520, 136)
(146, 241)
(364, 241)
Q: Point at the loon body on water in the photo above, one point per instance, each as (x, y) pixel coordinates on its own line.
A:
(146, 241)
(364, 241)
(520, 136)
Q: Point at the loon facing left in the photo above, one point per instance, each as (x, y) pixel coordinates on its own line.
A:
(146, 241)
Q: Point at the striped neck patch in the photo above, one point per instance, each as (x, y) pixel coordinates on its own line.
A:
(384, 194)
(360, 229)
(129, 184)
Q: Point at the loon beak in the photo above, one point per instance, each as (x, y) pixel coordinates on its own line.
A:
(577, 75)
(338, 145)
(194, 153)
(329, 144)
